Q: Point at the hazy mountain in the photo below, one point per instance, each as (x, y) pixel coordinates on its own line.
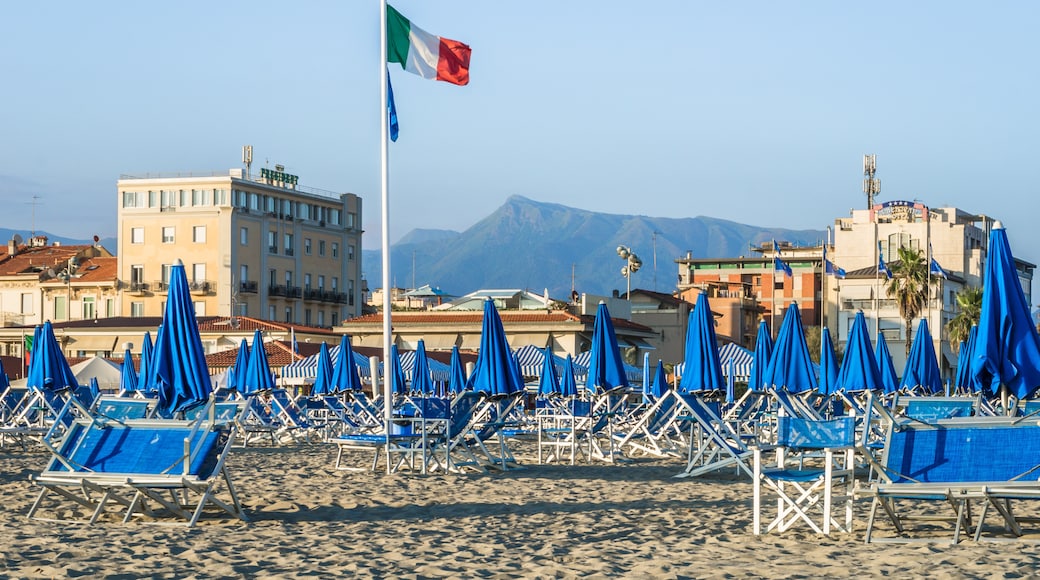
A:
(536, 245)
(6, 234)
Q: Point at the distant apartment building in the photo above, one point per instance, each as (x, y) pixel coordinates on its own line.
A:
(252, 245)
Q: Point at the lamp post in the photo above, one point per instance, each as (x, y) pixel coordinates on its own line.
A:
(632, 265)
(66, 276)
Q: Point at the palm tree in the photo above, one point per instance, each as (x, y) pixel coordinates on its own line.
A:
(909, 286)
(969, 308)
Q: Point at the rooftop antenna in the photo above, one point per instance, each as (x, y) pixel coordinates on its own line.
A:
(34, 203)
(247, 157)
(871, 184)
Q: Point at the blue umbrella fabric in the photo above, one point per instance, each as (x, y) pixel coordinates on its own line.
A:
(323, 373)
(606, 369)
(145, 378)
(568, 384)
(970, 382)
(422, 379)
(731, 383)
(922, 366)
(884, 363)
(549, 382)
(493, 372)
(702, 370)
(179, 364)
(345, 377)
(790, 366)
(398, 386)
(660, 385)
(828, 363)
(48, 368)
(95, 390)
(127, 374)
(859, 370)
(457, 377)
(5, 381)
(258, 375)
(237, 373)
(1007, 348)
(763, 351)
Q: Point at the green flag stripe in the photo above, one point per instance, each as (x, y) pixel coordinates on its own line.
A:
(397, 31)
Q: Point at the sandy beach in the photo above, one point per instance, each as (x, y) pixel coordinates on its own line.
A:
(587, 521)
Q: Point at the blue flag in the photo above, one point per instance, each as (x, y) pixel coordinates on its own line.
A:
(882, 266)
(829, 268)
(391, 109)
(933, 266)
(778, 264)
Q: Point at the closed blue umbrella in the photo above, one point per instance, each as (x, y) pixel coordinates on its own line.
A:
(702, 370)
(258, 375)
(790, 366)
(180, 369)
(345, 377)
(5, 381)
(1006, 357)
(828, 363)
(971, 383)
(323, 375)
(422, 380)
(859, 370)
(960, 377)
(549, 382)
(95, 390)
(922, 366)
(606, 369)
(127, 374)
(237, 373)
(731, 383)
(145, 378)
(48, 368)
(884, 363)
(493, 373)
(395, 375)
(660, 385)
(763, 351)
(457, 380)
(568, 384)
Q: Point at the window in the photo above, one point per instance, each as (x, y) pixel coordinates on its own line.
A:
(335, 249)
(153, 198)
(270, 312)
(167, 198)
(350, 292)
(243, 309)
(307, 246)
(198, 272)
(351, 220)
(307, 281)
(273, 278)
(136, 235)
(200, 308)
(321, 318)
(136, 309)
(165, 268)
(321, 248)
(335, 283)
(350, 252)
(288, 314)
(198, 197)
(243, 236)
(288, 278)
(60, 312)
(220, 197)
(136, 275)
(272, 242)
(198, 234)
(269, 205)
(185, 198)
(335, 319)
(89, 311)
(243, 273)
(254, 201)
(133, 199)
(289, 244)
(334, 217)
(27, 303)
(167, 234)
(307, 316)
(321, 281)
(110, 307)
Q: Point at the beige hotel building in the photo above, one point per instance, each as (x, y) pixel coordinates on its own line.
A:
(252, 245)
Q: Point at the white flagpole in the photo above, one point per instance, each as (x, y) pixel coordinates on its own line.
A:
(384, 158)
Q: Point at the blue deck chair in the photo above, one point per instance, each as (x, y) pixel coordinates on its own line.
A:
(152, 467)
(930, 409)
(293, 423)
(807, 490)
(122, 408)
(655, 432)
(713, 443)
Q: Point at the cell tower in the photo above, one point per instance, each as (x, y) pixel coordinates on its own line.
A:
(871, 184)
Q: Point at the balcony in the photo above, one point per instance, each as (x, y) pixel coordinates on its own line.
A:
(161, 287)
(293, 292)
(311, 294)
(248, 286)
(276, 290)
(138, 288)
(200, 286)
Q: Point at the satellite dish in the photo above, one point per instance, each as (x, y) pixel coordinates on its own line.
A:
(17, 239)
(50, 272)
(96, 239)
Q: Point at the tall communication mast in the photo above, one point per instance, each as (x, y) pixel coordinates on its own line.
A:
(871, 184)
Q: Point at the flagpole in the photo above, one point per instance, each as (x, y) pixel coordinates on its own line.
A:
(384, 159)
(772, 298)
(877, 279)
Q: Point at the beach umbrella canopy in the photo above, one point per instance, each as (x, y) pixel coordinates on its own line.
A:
(258, 376)
(828, 363)
(660, 385)
(457, 378)
(323, 377)
(568, 384)
(5, 381)
(922, 367)
(345, 375)
(493, 372)
(859, 370)
(789, 366)
(702, 370)
(422, 381)
(731, 383)
(549, 382)
(95, 390)
(1007, 348)
(398, 386)
(128, 374)
(237, 373)
(48, 368)
(179, 363)
(969, 380)
(606, 369)
(145, 378)
(763, 351)
(884, 363)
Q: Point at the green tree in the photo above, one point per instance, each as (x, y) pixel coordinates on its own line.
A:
(909, 286)
(969, 308)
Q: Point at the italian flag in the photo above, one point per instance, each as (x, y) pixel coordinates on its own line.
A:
(424, 54)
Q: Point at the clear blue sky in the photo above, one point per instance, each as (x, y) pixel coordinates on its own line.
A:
(758, 112)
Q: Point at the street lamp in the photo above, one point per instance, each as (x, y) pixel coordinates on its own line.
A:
(632, 265)
(66, 276)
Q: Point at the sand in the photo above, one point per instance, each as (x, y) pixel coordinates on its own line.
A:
(587, 521)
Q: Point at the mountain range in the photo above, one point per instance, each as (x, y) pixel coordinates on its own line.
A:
(527, 244)
(7, 233)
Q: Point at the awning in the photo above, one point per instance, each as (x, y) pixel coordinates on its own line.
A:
(470, 342)
(440, 341)
(91, 343)
(520, 340)
(638, 342)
